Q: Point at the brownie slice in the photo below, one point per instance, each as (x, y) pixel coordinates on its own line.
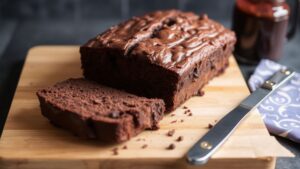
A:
(91, 110)
(165, 54)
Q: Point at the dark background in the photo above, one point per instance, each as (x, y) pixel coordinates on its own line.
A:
(27, 23)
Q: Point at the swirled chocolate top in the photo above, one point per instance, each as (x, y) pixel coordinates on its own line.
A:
(172, 39)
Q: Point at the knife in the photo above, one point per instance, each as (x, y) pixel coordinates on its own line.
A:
(205, 147)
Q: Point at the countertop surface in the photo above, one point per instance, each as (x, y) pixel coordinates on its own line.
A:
(18, 37)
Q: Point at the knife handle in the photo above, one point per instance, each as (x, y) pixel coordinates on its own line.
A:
(213, 139)
(277, 79)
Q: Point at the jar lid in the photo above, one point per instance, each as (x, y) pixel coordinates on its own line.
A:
(275, 10)
(272, 1)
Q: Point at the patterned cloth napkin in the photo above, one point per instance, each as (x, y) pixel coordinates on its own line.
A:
(281, 110)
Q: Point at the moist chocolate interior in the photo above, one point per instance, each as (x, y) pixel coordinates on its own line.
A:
(91, 101)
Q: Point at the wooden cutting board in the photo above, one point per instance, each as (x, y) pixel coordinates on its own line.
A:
(30, 141)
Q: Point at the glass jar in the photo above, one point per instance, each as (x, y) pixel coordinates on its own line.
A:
(261, 29)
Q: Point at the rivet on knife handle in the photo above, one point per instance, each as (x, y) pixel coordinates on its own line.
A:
(213, 139)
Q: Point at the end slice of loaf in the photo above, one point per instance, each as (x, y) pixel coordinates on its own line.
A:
(91, 110)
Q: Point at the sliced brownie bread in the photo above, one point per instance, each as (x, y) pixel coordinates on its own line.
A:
(91, 110)
(164, 54)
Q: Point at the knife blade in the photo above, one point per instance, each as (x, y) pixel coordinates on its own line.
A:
(206, 146)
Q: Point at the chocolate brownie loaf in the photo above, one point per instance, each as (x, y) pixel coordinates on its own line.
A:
(91, 110)
(164, 54)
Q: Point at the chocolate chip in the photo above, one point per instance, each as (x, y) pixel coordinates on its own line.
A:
(224, 47)
(184, 107)
(114, 115)
(124, 147)
(96, 101)
(195, 73)
(180, 138)
(170, 133)
(171, 147)
(181, 120)
(144, 146)
(190, 114)
(210, 126)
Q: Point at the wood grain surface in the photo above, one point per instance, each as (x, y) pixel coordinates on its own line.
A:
(30, 141)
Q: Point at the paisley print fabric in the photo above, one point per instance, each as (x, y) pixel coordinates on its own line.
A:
(281, 110)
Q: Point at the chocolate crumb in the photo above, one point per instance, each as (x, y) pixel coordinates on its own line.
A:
(171, 133)
(187, 111)
(124, 147)
(155, 127)
(180, 138)
(171, 147)
(144, 146)
(174, 121)
(181, 120)
(210, 126)
(141, 139)
(184, 107)
(200, 93)
(115, 151)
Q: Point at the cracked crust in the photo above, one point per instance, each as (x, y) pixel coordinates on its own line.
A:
(169, 54)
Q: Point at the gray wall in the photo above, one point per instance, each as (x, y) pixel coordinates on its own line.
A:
(98, 9)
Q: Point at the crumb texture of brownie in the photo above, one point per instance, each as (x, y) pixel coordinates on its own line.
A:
(164, 54)
(91, 110)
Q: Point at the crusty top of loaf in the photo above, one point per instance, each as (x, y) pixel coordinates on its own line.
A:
(172, 39)
(91, 100)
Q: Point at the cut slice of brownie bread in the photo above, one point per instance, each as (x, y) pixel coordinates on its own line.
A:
(91, 110)
(164, 54)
